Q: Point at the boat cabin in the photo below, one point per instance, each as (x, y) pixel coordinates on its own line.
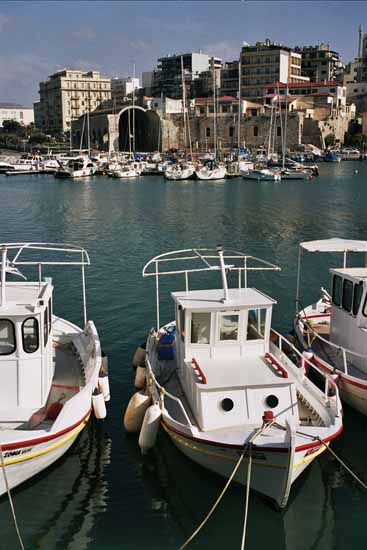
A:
(348, 324)
(222, 348)
(26, 357)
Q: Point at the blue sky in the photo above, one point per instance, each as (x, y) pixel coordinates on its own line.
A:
(39, 37)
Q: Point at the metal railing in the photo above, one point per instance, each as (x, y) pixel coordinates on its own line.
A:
(340, 349)
(304, 361)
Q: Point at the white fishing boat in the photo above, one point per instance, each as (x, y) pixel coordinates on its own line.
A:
(262, 174)
(125, 171)
(80, 167)
(211, 171)
(183, 171)
(222, 383)
(333, 329)
(51, 368)
(295, 174)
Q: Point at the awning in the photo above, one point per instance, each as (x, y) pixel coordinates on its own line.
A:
(335, 245)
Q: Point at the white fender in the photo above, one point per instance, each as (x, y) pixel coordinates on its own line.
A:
(135, 411)
(140, 377)
(139, 357)
(150, 427)
(99, 406)
(104, 386)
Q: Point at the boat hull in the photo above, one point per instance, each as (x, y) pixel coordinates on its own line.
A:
(273, 469)
(29, 459)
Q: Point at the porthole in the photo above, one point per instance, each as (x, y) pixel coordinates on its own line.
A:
(271, 401)
(227, 404)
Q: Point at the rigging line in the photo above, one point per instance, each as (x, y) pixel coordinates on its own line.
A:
(21, 545)
(248, 481)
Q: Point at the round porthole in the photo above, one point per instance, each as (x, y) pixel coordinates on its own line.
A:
(271, 401)
(227, 404)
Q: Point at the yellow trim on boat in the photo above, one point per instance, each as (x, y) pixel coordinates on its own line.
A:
(310, 456)
(185, 443)
(56, 445)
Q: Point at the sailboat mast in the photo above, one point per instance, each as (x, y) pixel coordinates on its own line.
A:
(183, 101)
(285, 123)
(134, 108)
(214, 112)
(239, 107)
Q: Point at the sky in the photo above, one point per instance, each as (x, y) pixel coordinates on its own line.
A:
(39, 37)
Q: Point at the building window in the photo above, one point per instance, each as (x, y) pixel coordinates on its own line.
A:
(207, 132)
(279, 131)
(231, 131)
(256, 131)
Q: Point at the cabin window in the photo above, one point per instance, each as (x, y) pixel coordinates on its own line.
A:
(229, 327)
(45, 328)
(337, 290)
(7, 337)
(347, 295)
(256, 324)
(357, 297)
(200, 328)
(30, 335)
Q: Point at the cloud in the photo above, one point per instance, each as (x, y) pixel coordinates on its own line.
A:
(4, 20)
(227, 51)
(85, 33)
(138, 45)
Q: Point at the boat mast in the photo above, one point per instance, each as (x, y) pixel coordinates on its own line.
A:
(183, 101)
(82, 136)
(239, 107)
(285, 122)
(3, 276)
(134, 108)
(88, 137)
(214, 112)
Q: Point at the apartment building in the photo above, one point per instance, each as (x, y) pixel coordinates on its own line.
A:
(13, 111)
(320, 63)
(122, 87)
(230, 78)
(167, 77)
(68, 94)
(267, 62)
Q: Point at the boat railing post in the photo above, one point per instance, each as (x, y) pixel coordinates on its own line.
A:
(298, 278)
(245, 271)
(3, 276)
(223, 271)
(40, 274)
(187, 282)
(84, 295)
(157, 292)
(345, 361)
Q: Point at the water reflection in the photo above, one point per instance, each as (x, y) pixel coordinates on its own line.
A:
(58, 508)
(174, 486)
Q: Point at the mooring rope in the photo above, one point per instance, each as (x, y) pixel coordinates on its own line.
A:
(317, 438)
(248, 444)
(10, 499)
(248, 481)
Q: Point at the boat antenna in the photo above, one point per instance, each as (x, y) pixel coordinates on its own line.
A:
(223, 271)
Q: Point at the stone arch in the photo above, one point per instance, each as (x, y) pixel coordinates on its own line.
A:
(148, 130)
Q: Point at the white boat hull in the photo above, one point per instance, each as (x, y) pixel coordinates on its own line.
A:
(261, 175)
(216, 174)
(185, 174)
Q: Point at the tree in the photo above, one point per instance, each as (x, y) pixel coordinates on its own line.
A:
(12, 127)
(329, 140)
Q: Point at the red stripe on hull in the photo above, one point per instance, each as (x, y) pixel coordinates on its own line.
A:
(43, 439)
(330, 370)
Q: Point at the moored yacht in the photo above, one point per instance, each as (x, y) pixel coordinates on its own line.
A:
(334, 328)
(79, 167)
(262, 174)
(50, 366)
(181, 171)
(211, 171)
(221, 381)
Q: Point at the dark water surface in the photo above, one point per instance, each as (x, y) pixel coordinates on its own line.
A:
(103, 494)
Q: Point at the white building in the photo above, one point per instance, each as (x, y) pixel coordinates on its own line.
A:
(67, 95)
(11, 111)
(121, 88)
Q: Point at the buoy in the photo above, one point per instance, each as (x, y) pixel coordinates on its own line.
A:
(140, 377)
(139, 357)
(99, 406)
(150, 427)
(135, 411)
(104, 386)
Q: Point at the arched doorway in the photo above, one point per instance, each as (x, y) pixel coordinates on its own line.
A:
(147, 134)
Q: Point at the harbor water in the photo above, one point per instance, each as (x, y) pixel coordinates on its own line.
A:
(103, 494)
